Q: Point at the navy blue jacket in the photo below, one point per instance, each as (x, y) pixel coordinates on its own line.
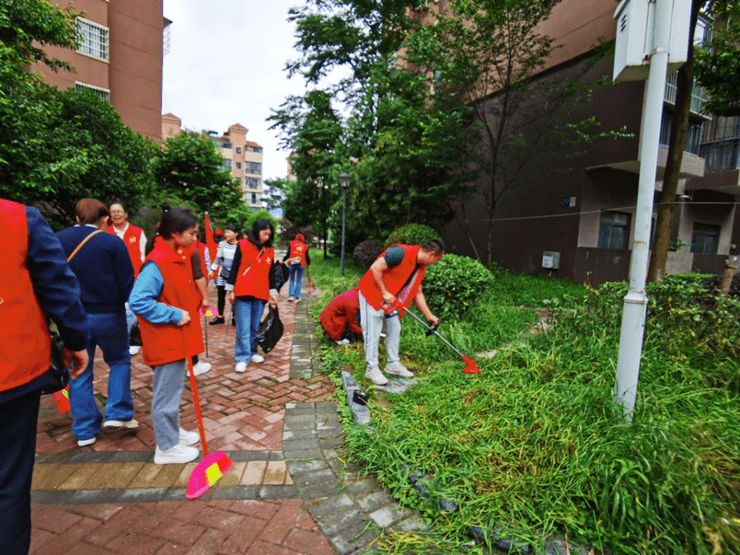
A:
(103, 268)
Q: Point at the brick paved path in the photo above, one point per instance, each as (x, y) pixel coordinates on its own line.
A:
(111, 498)
(291, 490)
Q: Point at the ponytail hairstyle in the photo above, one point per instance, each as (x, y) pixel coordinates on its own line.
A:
(174, 220)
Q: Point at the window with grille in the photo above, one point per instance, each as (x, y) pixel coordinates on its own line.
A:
(238, 165)
(92, 39)
(705, 238)
(102, 93)
(254, 167)
(614, 230)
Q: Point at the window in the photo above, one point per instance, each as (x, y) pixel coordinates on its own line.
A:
(238, 150)
(254, 149)
(226, 164)
(254, 167)
(614, 230)
(254, 198)
(251, 183)
(102, 93)
(693, 137)
(705, 238)
(226, 145)
(93, 39)
(238, 165)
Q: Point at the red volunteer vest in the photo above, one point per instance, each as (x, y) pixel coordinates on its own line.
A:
(25, 347)
(394, 279)
(254, 271)
(132, 238)
(298, 249)
(163, 343)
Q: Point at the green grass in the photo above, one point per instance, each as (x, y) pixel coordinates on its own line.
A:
(534, 445)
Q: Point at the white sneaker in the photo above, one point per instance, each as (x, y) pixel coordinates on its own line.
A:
(398, 369)
(133, 350)
(376, 376)
(188, 438)
(86, 442)
(291, 298)
(343, 342)
(241, 367)
(201, 368)
(121, 424)
(297, 299)
(179, 454)
(257, 358)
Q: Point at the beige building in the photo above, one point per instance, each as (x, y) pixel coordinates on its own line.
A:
(119, 57)
(242, 158)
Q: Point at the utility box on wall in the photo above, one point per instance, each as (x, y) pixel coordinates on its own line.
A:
(551, 260)
(634, 41)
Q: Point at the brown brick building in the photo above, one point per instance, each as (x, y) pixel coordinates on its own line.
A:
(119, 57)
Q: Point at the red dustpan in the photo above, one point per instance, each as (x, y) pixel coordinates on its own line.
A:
(213, 466)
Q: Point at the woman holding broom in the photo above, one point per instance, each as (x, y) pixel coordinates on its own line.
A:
(166, 300)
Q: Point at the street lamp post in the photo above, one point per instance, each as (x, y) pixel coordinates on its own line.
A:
(344, 180)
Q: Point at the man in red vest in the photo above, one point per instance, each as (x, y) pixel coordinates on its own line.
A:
(135, 241)
(395, 276)
(34, 279)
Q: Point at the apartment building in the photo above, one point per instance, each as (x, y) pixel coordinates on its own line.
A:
(242, 158)
(119, 57)
(574, 218)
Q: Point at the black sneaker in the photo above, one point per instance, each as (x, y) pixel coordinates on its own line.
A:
(216, 320)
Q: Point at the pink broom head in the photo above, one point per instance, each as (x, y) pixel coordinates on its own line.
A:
(62, 400)
(207, 473)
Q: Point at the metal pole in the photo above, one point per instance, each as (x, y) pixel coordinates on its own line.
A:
(635, 302)
(344, 226)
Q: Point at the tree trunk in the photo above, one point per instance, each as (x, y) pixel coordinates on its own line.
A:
(679, 132)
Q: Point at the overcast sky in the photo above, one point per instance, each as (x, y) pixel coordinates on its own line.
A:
(225, 66)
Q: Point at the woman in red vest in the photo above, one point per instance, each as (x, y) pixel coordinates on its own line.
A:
(298, 259)
(166, 300)
(249, 287)
(135, 242)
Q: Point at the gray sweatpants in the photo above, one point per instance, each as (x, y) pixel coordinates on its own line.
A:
(166, 396)
(372, 325)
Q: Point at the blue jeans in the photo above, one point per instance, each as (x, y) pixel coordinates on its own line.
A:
(296, 273)
(248, 314)
(109, 331)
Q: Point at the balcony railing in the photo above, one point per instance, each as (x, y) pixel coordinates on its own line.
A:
(698, 95)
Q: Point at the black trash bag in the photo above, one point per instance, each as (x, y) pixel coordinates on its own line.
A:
(134, 336)
(58, 372)
(270, 330)
(280, 275)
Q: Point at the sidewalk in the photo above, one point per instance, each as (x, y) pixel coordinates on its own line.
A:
(290, 490)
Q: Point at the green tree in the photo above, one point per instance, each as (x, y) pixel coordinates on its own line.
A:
(486, 56)
(189, 167)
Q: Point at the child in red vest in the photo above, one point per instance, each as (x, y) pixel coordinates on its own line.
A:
(166, 300)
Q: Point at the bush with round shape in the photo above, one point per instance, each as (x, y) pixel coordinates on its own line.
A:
(454, 285)
(366, 252)
(411, 234)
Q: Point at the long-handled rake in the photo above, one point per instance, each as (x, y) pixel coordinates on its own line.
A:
(213, 466)
(470, 367)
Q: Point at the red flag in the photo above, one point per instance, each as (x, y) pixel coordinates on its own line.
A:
(210, 243)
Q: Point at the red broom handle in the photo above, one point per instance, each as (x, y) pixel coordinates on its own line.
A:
(194, 387)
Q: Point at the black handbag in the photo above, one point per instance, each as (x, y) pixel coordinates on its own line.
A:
(270, 330)
(58, 371)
